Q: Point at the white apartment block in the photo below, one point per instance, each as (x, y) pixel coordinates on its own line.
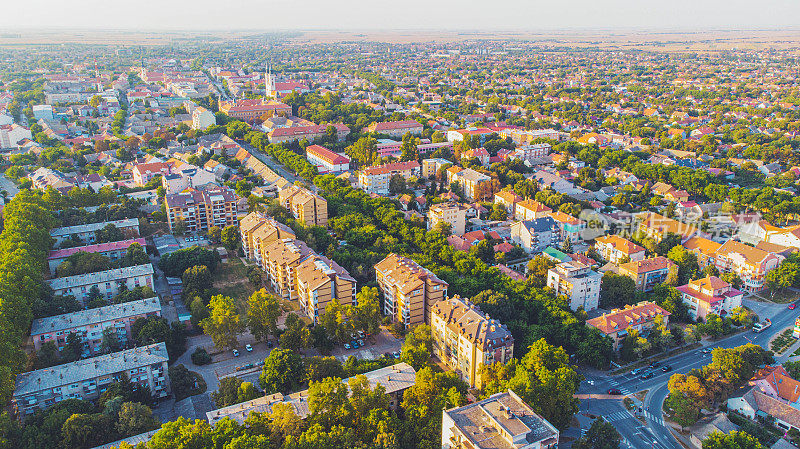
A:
(88, 233)
(577, 282)
(453, 214)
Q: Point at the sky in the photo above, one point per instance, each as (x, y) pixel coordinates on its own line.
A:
(531, 15)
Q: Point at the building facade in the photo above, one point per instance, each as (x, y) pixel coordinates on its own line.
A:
(320, 281)
(648, 273)
(616, 249)
(87, 379)
(577, 282)
(453, 214)
(306, 206)
(88, 233)
(710, 295)
(409, 290)
(376, 179)
(326, 160)
(464, 338)
(109, 282)
(201, 210)
(618, 323)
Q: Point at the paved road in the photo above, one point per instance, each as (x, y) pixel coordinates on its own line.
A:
(655, 433)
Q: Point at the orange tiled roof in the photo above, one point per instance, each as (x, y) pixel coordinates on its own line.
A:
(620, 319)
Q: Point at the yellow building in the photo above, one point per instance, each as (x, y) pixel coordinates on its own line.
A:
(453, 214)
(464, 338)
(305, 205)
(256, 230)
(648, 273)
(320, 281)
(409, 290)
(281, 259)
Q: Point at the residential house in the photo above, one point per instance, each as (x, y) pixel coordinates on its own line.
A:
(530, 210)
(618, 323)
(657, 226)
(616, 249)
(474, 185)
(703, 248)
(309, 132)
(395, 129)
(710, 295)
(508, 199)
(648, 273)
(570, 228)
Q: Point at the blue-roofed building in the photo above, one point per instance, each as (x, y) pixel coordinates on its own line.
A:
(534, 236)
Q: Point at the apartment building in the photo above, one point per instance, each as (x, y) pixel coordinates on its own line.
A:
(376, 179)
(395, 129)
(409, 290)
(202, 118)
(281, 259)
(109, 282)
(431, 166)
(534, 236)
(326, 160)
(618, 323)
(710, 295)
(320, 281)
(529, 153)
(453, 214)
(569, 227)
(465, 338)
(530, 210)
(394, 379)
(750, 264)
(310, 133)
(577, 282)
(204, 209)
(521, 136)
(87, 233)
(703, 248)
(112, 250)
(90, 324)
(508, 199)
(306, 206)
(648, 273)
(501, 421)
(87, 379)
(256, 230)
(249, 110)
(474, 185)
(616, 249)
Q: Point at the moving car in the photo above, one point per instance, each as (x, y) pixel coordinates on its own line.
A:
(249, 348)
(654, 364)
(614, 391)
(636, 371)
(792, 306)
(236, 353)
(647, 375)
(360, 334)
(666, 368)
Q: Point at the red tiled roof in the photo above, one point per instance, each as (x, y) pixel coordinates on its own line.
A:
(327, 155)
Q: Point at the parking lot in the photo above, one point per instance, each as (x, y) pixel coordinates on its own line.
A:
(374, 347)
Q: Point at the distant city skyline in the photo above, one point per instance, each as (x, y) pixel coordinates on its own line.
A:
(407, 15)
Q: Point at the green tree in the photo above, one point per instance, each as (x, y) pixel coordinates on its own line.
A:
(230, 237)
(418, 347)
(263, 311)
(601, 435)
(318, 368)
(135, 418)
(537, 271)
(214, 234)
(283, 371)
(84, 431)
(735, 439)
(616, 290)
(228, 392)
(197, 281)
(223, 324)
(328, 403)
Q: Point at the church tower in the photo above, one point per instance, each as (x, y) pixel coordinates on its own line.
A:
(269, 83)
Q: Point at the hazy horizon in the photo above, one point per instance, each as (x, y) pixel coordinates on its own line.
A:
(410, 15)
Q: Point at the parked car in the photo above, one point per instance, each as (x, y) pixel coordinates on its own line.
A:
(249, 348)
(236, 353)
(270, 344)
(360, 342)
(347, 346)
(614, 391)
(354, 344)
(647, 375)
(360, 334)
(666, 368)
(396, 354)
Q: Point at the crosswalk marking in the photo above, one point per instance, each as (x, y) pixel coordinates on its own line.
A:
(653, 418)
(617, 416)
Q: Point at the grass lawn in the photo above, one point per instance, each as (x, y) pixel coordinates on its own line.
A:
(781, 297)
(230, 279)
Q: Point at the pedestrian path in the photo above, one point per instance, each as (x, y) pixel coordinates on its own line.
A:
(615, 384)
(651, 418)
